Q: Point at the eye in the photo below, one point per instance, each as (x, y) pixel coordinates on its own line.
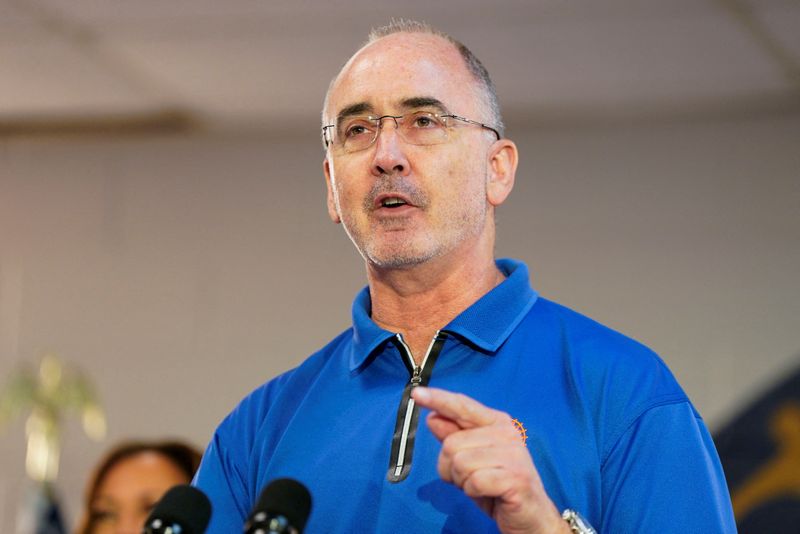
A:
(357, 128)
(425, 120)
(102, 516)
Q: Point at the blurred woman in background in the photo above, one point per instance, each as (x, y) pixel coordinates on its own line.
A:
(129, 480)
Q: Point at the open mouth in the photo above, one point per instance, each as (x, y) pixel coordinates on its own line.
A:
(393, 202)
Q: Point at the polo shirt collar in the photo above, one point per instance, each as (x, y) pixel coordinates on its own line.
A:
(486, 324)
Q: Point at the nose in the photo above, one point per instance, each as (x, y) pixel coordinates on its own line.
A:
(389, 156)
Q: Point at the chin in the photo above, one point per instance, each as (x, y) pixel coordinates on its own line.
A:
(403, 257)
(396, 262)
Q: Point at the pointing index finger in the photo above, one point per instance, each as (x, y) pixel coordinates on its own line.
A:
(464, 411)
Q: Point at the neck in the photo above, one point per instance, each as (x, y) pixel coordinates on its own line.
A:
(419, 300)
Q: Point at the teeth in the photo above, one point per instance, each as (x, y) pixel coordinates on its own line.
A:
(392, 202)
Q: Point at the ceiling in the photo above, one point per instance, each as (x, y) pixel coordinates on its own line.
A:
(91, 64)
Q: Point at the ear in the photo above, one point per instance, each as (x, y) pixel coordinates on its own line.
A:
(502, 165)
(333, 213)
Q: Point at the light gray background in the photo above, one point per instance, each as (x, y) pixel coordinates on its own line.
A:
(182, 268)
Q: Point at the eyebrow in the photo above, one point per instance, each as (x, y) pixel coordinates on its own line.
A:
(424, 102)
(414, 102)
(354, 109)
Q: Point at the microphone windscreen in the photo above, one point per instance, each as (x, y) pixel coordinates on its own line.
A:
(286, 497)
(185, 505)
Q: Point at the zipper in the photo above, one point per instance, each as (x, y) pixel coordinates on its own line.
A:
(408, 413)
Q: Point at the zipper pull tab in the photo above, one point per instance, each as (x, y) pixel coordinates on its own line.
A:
(416, 378)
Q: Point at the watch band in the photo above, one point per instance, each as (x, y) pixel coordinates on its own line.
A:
(577, 523)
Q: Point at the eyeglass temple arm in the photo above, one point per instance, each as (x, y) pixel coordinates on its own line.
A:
(458, 117)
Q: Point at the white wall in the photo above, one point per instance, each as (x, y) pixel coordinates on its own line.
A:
(184, 271)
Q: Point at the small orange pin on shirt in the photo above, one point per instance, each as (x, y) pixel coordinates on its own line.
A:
(521, 429)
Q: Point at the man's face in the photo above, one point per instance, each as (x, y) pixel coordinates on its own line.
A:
(442, 187)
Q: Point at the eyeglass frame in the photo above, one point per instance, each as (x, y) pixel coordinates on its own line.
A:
(379, 122)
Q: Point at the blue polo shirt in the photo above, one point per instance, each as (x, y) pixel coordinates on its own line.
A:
(609, 429)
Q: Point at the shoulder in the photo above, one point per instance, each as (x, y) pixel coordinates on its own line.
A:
(245, 419)
(615, 378)
(228, 470)
(601, 355)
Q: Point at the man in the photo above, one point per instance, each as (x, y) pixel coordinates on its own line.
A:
(532, 410)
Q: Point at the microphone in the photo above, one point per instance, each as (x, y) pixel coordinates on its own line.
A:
(282, 508)
(182, 510)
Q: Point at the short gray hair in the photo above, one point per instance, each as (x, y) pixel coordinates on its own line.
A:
(475, 67)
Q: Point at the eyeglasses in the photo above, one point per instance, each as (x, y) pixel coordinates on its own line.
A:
(419, 128)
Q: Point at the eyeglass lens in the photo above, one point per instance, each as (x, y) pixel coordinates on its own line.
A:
(419, 128)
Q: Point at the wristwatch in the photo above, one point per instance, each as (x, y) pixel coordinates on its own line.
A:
(577, 523)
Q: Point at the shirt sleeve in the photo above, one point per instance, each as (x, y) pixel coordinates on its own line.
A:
(226, 474)
(222, 480)
(663, 474)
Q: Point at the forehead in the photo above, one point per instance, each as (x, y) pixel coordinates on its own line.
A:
(144, 468)
(401, 67)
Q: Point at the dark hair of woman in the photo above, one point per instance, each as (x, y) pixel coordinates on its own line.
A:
(185, 458)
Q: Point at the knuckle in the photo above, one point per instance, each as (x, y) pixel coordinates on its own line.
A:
(450, 446)
(504, 419)
(479, 484)
(461, 468)
(461, 401)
